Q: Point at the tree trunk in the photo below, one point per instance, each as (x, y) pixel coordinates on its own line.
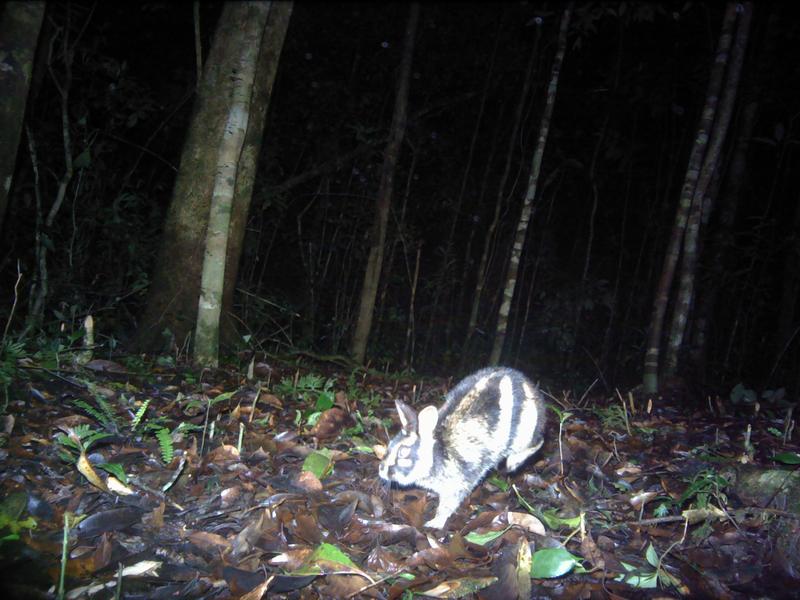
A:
(650, 377)
(63, 83)
(533, 180)
(446, 266)
(266, 69)
(212, 280)
(20, 24)
(372, 273)
(173, 297)
(723, 239)
(690, 243)
(488, 235)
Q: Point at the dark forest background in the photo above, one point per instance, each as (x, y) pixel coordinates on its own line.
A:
(632, 87)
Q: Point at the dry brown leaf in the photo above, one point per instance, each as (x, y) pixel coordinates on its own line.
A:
(330, 424)
(435, 558)
(591, 552)
(457, 588)
(308, 481)
(101, 556)
(224, 453)
(306, 528)
(259, 591)
(526, 521)
(206, 541)
(523, 569)
(293, 559)
(117, 487)
(639, 500)
(229, 496)
(86, 469)
(157, 516)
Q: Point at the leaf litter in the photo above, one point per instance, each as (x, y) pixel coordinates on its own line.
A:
(155, 485)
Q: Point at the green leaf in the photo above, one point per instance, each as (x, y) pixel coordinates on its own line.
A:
(312, 418)
(165, 443)
(553, 521)
(327, 558)
(651, 555)
(319, 463)
(549, 563)
(220, 398)
(324, 401)
(137, 418)
(14, 505)
(484, 538)
(498, 482)
(116, 470)
(788, 458)
(638, 578)
(662, 510)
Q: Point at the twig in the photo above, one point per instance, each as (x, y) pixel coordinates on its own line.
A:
(13, 305)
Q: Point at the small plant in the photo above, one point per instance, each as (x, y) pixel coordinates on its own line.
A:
(101, 412)
(75, 442)
(562, 418)
(164, 438)
(613, 417)
(703, 487)
(10, 355)
(11, 521)
(78, 439)
(309, 387)
(54, 351)
(648, 578)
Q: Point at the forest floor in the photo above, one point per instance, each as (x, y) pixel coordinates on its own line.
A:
(155, 483)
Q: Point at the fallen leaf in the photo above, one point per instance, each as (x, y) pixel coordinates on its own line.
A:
(86, 469)
(458, 588)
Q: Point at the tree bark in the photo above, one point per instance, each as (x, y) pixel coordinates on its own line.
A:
(651, 360)
(20, 25)
(488, 236)
(723, 239)
(173, 297)
(533, 180)
(683, 303)
(446, 266)
(212, 280)
(372, 273)
(269, 58)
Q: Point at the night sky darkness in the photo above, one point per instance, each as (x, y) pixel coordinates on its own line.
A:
(632, 86)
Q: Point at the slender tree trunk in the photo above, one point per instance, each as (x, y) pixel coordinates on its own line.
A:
(533, 180)
(63, 83)
(397, 238)
(651, 361)
(690, 243)
(723, 239)
(173, 297)
(372, 273)
(266, 69)
(408, 351)
(441, 278)
(212, 281)
(488, 236)
(476, 225)
(20, 24)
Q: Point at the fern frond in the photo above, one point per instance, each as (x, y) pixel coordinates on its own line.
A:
(137, 418)
(165, 443)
